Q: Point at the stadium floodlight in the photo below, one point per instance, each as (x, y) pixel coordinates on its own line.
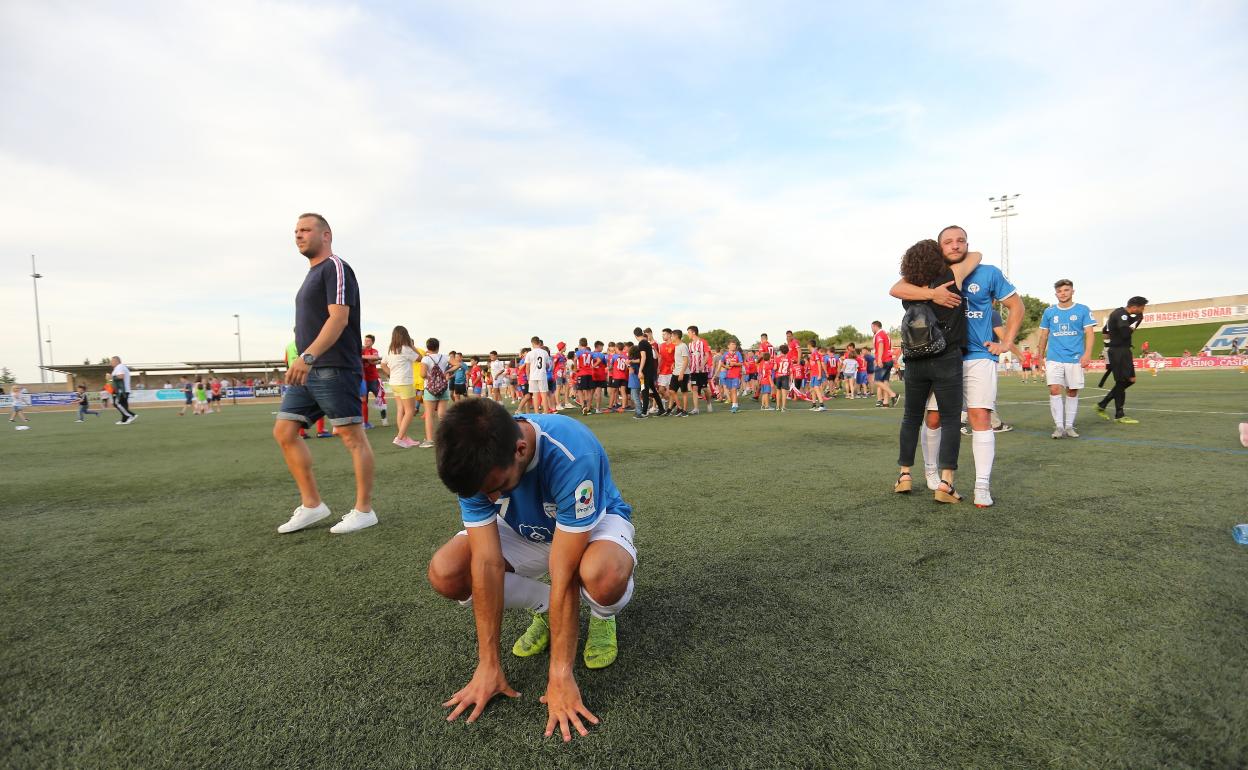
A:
(1003, 211)
(35, 276)
(51, 355)
(238, 332)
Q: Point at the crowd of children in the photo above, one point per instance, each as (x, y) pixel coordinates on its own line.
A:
(683, 370)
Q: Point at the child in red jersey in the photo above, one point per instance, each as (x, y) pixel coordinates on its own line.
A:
(765, 382)
(782, 377)
(814, 370)
(733, 363)
(475, 378)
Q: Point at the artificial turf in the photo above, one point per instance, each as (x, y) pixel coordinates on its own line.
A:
(790, 610)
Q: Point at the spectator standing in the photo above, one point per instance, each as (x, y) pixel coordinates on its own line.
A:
(325, 379)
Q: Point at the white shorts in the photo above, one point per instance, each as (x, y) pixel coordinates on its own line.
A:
(540, 385)
(531, 558)
(979, 385)
(665, 380)
(1066, 375)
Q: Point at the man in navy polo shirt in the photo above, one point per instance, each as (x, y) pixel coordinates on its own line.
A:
(325, 378)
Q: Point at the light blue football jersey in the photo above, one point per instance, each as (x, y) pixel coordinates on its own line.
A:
(567, 485)
(1067, 327)
(984, 285)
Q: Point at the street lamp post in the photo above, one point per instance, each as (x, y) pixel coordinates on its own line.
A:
(34, 276)
(51, 356)
(238, 332)
(1003, 211)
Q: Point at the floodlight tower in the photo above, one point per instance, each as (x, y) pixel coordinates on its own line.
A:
(35, 276)
(1003, 210)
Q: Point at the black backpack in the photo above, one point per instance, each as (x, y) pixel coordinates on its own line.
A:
(922, 335)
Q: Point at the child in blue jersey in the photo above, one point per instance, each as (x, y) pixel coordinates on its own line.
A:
(536, 496)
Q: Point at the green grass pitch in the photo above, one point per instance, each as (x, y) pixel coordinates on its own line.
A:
(790, 611)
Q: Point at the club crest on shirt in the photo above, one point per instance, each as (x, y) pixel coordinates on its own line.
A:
(550, 509)
(1074, 317)
(584, 499)
(973, 288)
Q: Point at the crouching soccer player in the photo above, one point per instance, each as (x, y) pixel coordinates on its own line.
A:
(536, 497)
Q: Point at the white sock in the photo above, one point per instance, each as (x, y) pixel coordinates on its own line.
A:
(608, 611)
(930, 439)
(1055, 409)
(521, 593)
(984, 447)
(1072, 406)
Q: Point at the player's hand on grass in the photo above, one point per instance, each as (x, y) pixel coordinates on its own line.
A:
(297, 373)
(486, 683)
(945, 298)
(565, 708)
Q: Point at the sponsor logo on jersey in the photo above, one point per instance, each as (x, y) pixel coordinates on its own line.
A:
(974, 314)
(537, 534)
(584, 499)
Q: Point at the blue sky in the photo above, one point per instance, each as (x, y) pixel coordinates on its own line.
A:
(495, 171)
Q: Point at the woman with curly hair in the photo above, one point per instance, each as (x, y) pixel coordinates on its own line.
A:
(924, 265)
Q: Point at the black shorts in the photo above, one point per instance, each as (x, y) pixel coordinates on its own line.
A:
(801, 383)
(189, 398)
(619, 382)
(216, 396)
(1121, 363)
(697, 379)
(584, 382)
(374, 387)
(600, 384)
(782, 382)
(459, 388)
(1026, 368)
(679, 383)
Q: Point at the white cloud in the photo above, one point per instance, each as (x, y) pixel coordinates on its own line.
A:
(155, 162)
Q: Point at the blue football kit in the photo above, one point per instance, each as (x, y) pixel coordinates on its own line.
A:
(567, 485)
(981, 288)
(1066, 327)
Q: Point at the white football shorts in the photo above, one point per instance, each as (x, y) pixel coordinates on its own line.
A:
(531, 558)
(1066, 375)
(979, 385)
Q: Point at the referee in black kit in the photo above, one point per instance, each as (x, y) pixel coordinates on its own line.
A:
(1117, 330)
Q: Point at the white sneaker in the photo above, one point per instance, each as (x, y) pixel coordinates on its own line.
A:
(982, 497)
(1058, 433)
(695, 410)
(353, 521)
(1070, 433)
(385, 423)
(933, 480)
(133, 417)
(304, 517)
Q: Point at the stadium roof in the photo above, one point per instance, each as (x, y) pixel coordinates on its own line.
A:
(176, 366)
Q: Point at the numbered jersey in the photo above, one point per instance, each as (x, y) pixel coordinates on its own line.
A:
(539, 363)
(567, 485)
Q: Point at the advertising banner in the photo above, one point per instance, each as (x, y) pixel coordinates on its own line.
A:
(1188, 364)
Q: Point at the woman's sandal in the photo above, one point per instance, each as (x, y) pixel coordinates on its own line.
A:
(904, 480)
(951, 496)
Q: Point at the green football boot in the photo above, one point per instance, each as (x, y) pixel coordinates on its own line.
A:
(1126, 421)
(600, 646)
(535, 639)
(1100, 410)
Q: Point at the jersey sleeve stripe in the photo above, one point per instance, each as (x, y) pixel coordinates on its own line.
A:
(562, 448)
(567, 528)
(340, 284)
